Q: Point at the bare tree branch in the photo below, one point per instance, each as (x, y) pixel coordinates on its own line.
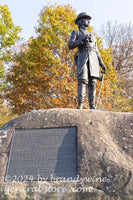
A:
(120, 38)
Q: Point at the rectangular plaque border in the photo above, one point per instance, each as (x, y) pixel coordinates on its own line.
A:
(11, 144)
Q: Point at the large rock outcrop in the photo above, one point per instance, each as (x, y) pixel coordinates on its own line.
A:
(104, 155)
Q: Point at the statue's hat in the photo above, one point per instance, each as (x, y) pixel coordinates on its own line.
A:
(82, 15)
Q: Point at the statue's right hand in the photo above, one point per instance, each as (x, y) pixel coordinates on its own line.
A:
(83, 38)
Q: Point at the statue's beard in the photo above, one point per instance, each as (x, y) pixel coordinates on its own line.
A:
(83, 24)
(86, 25)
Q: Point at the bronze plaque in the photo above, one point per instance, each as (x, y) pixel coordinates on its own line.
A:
(42, 154)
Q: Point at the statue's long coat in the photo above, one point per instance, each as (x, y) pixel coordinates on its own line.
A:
(88, 54)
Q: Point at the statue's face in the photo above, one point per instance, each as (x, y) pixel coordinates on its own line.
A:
(84, 22)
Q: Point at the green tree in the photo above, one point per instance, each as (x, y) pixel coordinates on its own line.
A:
(43, 74)
(9, 34)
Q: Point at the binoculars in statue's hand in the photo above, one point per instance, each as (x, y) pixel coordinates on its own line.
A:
(88, 39)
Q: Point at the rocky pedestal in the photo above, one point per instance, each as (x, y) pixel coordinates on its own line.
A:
(91, 156)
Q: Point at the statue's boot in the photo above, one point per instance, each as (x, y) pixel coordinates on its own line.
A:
(91, 96)
(81, 95)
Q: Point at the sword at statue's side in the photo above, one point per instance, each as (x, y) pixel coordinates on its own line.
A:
(100, 89)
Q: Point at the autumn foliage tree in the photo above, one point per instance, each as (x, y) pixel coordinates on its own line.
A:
(43, 70)
(43, 74)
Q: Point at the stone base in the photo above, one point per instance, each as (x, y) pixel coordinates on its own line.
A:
(104, 156)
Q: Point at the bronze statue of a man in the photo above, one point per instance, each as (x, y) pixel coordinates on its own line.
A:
(88, 60)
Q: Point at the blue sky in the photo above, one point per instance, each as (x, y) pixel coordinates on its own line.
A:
(25, 12)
